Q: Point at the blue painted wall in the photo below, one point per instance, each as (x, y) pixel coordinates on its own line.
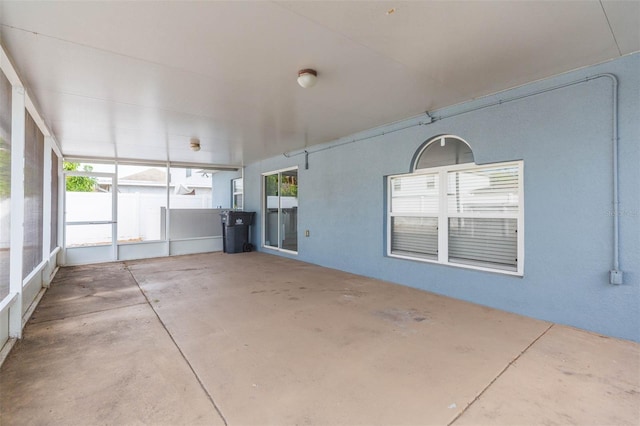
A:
(221, 197)
(563, 136)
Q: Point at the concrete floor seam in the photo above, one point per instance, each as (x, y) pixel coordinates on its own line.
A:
(499, 375)
(202, 386)
(84, 313)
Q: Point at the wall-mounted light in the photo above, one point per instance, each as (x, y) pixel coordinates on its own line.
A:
(194, 144)
(307, 78)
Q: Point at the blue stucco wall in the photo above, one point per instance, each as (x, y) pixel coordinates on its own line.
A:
(221, 197)
(563, 136)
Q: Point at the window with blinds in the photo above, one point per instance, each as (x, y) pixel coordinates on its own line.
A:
(5, 183)
(482, 204)
(54, 200)
(462, 214)
(33, 197)
(414, 215)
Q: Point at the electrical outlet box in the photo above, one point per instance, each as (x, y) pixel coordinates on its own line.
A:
(306, 233)
(615, 277)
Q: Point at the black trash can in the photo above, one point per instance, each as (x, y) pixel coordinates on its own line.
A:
(235, 231)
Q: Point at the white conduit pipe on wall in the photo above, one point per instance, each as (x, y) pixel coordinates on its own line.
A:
(615, 275)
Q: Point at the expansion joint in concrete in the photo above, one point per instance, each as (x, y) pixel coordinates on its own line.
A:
(82, 314)
(517, 357)
(202, 386)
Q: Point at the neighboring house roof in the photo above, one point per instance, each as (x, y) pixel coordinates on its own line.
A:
(149, 175)
(157, 177)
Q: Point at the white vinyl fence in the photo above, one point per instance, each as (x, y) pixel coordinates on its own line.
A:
(140, 216)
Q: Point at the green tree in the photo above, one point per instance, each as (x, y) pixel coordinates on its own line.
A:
(79, 183)
(288, 186)
(5, 169)
(272, 184)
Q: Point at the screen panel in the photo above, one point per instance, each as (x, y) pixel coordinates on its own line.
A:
(5, 183)
(33, 197)
(54, 201)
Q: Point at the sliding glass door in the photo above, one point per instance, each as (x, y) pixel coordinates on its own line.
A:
(281, 210)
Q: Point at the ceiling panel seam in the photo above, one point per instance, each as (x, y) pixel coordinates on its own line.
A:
(107, 51)
(615, 40)
(95, 98)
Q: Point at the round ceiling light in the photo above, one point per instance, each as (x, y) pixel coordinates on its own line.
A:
(307, 78)
(194, 144)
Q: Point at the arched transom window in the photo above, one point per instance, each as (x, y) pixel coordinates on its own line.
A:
(444, 150)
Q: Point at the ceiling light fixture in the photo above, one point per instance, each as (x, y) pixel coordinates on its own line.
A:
(307, 78)
(194, 144)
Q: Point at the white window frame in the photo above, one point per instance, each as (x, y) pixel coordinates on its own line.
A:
(235, 193)
(443, 216)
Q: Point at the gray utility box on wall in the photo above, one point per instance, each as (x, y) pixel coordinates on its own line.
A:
(235, 231)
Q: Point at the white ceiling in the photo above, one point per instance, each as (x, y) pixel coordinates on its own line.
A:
(136, 80)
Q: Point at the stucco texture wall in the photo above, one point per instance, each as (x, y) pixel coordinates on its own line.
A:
(564, 137)
(222, 188)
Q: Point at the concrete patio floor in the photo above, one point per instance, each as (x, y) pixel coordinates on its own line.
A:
(253, 339)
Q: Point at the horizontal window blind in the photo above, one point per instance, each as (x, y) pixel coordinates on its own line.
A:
(491, 239)
(415, 235)
(484, 242)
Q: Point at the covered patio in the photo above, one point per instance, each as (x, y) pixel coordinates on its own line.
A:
(324, 213)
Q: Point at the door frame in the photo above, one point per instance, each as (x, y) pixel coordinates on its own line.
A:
(264, 209)
(113, 222)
